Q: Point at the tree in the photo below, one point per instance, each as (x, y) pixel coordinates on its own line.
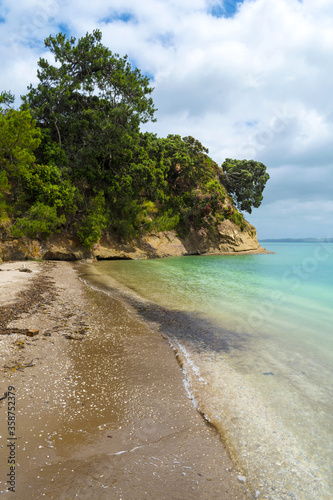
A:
(19, 137)
(6, 98)
(89, 107)
(245, 180)
(33, 197)
(187, 162)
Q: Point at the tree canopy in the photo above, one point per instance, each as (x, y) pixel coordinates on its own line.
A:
(245, 180)
(36, 195)
(74, 157)
(89, 106)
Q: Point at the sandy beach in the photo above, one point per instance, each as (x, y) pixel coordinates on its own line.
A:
(101, 409)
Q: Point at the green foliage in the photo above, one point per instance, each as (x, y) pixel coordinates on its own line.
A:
(164, 222)
(188, 165)
(19, 137)
(6, 98)
(214, 186)
(94, 222)
(41, 220)
(90, 104)
(200, 210)
(167, 221)
(74, 156)
(4, 209)
(4, 188)
(245, 180)
(4, 183)
(46, 184)
(39, 193)
(238, 219)
(129, 221)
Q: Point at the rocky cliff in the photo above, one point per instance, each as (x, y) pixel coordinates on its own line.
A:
(226, 238)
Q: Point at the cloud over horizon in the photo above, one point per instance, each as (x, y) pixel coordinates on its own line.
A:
(249, 79)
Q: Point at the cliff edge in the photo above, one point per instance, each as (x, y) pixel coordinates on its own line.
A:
(226, 238)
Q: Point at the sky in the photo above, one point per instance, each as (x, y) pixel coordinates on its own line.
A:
(249, 79)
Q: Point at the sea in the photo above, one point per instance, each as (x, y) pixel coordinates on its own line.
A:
(254, 337)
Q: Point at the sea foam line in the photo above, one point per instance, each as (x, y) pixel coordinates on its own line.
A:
(187, 365)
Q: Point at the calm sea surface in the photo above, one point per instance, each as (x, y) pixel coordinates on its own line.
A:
(255, 337)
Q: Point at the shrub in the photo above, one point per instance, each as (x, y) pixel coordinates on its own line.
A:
(95, 221)
(45, 183)
(166, 222)
(41, 220)
(238, 219)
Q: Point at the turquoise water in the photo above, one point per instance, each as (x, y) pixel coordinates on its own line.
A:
(255, 336)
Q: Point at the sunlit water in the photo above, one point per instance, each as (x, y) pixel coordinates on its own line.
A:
(254, 334)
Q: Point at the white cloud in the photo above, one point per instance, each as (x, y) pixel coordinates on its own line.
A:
(292, 218)
(257, 84)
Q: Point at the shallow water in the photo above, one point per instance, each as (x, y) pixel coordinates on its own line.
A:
(107, 416)
(254, 334)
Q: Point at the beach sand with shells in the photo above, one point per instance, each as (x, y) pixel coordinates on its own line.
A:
(100, 410)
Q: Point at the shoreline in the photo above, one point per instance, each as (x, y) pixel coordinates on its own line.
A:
(72, 257)
(64, 247)
(101, 404)
(224, 374)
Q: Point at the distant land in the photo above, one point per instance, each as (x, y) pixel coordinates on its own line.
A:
(298, 240)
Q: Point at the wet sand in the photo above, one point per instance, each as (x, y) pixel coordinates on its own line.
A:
(101, 408)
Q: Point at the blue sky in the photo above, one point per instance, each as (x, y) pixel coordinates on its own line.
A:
(250, 79)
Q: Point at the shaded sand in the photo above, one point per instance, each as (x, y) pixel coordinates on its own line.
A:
(101, 409)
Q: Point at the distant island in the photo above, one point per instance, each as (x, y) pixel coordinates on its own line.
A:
(297, 240)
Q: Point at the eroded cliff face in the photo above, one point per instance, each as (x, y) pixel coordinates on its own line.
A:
(226, 238)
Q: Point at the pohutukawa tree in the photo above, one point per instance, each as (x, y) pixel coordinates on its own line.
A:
(245, 180)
